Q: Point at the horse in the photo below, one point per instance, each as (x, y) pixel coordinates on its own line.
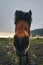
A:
(22, 33)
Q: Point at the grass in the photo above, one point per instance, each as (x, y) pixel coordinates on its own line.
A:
(8, 57)
(3, 40)
(36, 40)
(37, 49)
(41, 63)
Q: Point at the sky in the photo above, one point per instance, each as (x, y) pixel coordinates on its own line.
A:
(7, 13)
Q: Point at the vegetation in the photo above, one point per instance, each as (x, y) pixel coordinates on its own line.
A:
(36, 40)
(37, 50)
(8, 57)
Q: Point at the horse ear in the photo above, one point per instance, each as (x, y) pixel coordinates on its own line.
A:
(16, 12)
(30, 13)
(16, 15)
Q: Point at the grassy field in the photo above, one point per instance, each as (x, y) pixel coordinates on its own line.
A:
(8, 57)
(36, 40)
(37, 50)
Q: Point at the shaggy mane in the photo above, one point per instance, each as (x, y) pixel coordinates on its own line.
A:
(21, 15)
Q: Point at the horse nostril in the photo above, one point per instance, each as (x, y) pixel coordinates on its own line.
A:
(16, 41)
(25, 41)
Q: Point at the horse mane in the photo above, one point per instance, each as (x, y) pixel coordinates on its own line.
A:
(21, 15)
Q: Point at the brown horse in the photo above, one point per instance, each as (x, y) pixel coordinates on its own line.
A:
(22, 32)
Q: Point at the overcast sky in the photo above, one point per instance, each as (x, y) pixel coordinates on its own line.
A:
(8, 8)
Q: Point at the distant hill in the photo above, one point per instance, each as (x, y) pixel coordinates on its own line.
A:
(37, 32)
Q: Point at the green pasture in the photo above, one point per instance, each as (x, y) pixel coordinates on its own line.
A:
(36, 40)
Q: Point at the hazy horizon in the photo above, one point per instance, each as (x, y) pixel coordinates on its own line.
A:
(6, 34)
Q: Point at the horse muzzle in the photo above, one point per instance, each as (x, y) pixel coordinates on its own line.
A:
(21, 45)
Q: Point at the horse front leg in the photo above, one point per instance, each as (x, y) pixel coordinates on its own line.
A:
(20, 60)
(27, 59)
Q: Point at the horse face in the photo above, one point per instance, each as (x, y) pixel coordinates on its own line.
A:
(22, 33)
(22, 29)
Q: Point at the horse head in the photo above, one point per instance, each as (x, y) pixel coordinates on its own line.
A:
(22, 30)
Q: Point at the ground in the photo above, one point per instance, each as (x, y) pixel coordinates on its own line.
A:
(8, 57)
